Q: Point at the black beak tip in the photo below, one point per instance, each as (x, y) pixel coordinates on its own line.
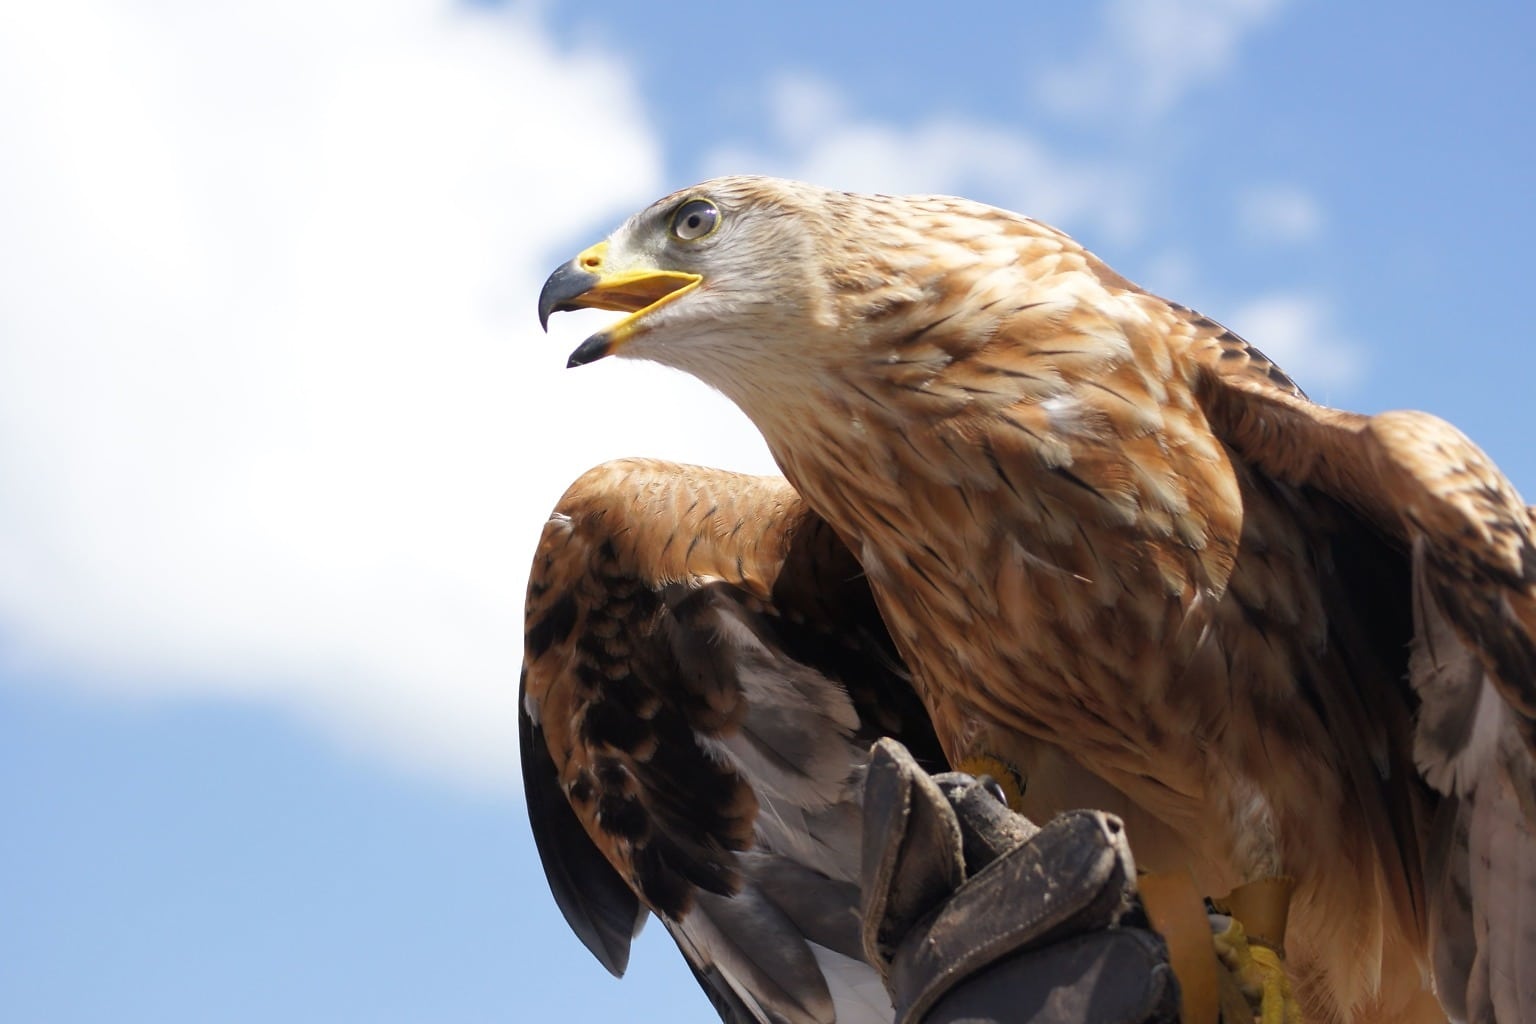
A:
(590, 351)
(567, 283)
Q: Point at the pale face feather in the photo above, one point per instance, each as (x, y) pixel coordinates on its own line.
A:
(752, 316)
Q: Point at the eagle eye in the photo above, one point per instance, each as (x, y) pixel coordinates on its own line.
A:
(695, 219)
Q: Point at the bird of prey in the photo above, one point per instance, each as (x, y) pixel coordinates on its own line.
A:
(705, 672)
(1122, 553)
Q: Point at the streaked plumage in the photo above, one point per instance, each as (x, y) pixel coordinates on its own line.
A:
(1120, 550)
(705, 672)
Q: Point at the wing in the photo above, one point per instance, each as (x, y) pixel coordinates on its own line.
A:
(704, 673)
(1468, 542)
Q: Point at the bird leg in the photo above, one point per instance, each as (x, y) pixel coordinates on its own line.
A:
(1258, 971)
(1252, 946)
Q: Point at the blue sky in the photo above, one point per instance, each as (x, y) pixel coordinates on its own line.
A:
(278, 429)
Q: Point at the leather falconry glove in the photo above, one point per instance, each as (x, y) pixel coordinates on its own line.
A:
(974, 915)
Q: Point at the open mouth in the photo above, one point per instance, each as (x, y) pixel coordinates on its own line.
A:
(582, 284)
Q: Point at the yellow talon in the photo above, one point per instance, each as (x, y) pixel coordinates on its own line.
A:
(1260, 975)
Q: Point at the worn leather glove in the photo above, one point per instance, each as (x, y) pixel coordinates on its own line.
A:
(973, 915)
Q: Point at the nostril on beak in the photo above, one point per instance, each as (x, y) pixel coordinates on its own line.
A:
(591, 259)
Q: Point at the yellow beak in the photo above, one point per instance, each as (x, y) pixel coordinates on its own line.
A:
(587, 283)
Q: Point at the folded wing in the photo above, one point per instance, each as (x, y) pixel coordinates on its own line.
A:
(704, 673)
(1469, 541)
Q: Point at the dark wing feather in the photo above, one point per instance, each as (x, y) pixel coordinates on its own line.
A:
(1465, 543)
(597, 903)
(705, 670)
(721, 996)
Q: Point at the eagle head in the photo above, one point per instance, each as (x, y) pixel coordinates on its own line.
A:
(706, 274)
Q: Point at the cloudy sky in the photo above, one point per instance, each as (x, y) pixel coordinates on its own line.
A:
(278, 428)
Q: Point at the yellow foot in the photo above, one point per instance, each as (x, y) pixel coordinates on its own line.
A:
(1259, 973)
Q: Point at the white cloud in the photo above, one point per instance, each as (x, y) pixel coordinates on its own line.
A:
(816, 137)
(1298, 331)
(275, 418)
(1151, 55)
(1279, 214)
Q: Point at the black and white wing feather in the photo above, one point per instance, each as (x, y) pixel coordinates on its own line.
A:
(704, 673)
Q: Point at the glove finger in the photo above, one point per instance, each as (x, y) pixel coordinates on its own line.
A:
(988, 829)
(912, 853)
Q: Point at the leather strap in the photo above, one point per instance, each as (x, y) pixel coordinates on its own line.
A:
(1264, 907)
(1177, 912)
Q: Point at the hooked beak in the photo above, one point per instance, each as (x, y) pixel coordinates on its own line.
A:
(587, 283)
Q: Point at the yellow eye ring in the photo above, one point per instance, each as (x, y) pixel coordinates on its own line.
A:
(695, 219)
